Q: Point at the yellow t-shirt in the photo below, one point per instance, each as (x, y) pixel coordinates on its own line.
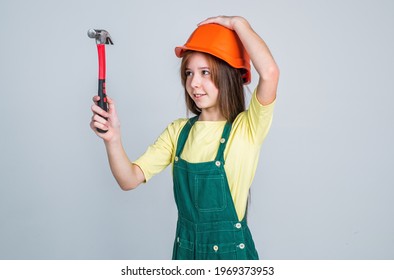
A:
(241, 154)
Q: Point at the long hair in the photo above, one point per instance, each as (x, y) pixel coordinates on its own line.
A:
(227, 79)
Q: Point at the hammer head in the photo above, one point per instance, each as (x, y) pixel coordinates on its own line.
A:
(101, 36)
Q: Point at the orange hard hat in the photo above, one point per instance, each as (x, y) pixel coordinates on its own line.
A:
(220, 42)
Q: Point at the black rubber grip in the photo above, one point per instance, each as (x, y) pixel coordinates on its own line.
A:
(103, 99)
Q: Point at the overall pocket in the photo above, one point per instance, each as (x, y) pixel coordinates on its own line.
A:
(209, 193)
(184, 249)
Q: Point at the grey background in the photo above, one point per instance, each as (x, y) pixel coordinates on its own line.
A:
(324, 184)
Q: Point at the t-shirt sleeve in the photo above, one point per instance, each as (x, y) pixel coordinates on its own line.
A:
(160, 154)
(259, 119)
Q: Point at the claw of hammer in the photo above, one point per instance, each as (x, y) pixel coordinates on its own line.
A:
(102, 36)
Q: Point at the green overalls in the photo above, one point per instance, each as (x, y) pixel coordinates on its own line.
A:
(208, 226)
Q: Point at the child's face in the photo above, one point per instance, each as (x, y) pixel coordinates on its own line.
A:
(199, 84)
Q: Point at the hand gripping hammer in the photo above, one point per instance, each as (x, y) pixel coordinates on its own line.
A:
(102, 38)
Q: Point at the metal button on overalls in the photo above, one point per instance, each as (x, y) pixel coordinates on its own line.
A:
(208, 225)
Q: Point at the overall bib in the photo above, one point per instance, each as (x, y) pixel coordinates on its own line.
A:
(208, 226)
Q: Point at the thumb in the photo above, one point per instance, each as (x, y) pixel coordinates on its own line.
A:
(111, 104)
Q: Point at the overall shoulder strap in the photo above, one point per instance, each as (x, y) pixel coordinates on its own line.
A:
(223, 142)
(184, 134)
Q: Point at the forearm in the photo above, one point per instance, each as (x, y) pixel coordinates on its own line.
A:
(261, 58)
(257, 49)
(126, 174)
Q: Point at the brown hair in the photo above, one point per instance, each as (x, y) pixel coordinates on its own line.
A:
(227, 79)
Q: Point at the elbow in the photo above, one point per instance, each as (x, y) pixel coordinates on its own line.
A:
(128, 186)
(271, 73)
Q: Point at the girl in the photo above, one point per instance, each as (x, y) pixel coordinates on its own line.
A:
(215, 153)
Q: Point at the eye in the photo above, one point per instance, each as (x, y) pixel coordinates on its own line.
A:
(205, 72)
(188, 73)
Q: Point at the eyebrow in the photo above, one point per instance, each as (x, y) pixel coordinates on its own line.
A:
(199, 68)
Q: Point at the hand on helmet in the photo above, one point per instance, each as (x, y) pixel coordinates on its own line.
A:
(226, 21)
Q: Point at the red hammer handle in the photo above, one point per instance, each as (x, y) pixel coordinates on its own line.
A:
(101, 81)
(101, 57)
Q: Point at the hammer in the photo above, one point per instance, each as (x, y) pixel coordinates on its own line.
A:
(102, 38)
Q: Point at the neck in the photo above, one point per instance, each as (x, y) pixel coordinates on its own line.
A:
(206, 115)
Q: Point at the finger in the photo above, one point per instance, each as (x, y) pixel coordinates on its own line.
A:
(217, 19)
(91, 125)
(97, 110)
(222, 20)
(111, 104)
(208, 20)
(100, 126)
(100, 119)
(110, 100)
(95, 99)
(94, 128)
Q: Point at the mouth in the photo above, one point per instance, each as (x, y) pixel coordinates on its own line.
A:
(198, 95)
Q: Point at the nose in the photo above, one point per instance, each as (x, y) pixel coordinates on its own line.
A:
(195, 81)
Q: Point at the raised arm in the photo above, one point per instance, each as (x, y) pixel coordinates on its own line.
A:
(128, 175)
(259, 54)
